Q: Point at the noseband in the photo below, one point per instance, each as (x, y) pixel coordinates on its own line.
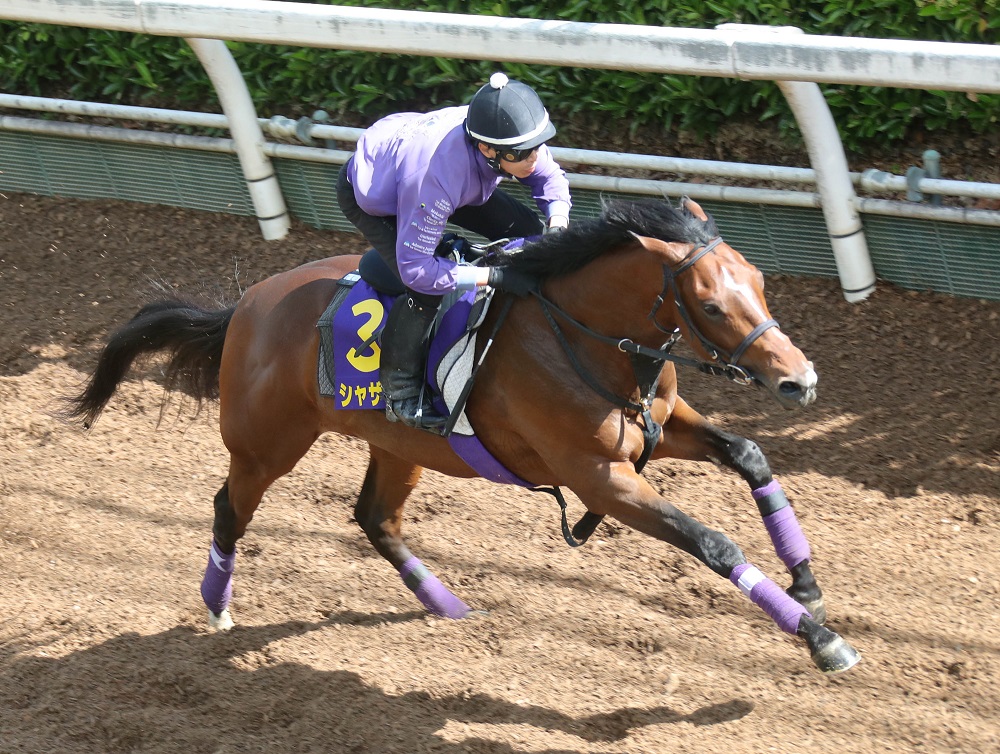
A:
(728, 361)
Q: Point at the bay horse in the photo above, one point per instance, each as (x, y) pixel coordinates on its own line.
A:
(567, 397)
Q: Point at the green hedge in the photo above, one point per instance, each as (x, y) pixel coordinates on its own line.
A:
(358, 87)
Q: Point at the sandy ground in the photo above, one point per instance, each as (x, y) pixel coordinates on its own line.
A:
(624, 645)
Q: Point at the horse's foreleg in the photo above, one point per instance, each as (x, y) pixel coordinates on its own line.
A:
(379, 513)
(631, 500)
(688, 435)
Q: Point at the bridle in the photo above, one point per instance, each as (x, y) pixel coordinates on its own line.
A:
(728, 361)
(724, 363)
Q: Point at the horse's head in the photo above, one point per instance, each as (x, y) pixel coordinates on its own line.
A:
(717, 300)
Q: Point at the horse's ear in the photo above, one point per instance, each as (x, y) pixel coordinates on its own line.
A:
(690, 205)
(672, 253)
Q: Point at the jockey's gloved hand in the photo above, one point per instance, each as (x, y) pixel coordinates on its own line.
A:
(452, 245)
(513, 281)
(554, 229)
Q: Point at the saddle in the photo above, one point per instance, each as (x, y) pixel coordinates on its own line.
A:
(349, 361)
(350, 351)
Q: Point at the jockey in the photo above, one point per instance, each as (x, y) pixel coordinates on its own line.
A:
(411, 174)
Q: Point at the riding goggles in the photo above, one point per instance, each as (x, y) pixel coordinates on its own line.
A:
(516, 155)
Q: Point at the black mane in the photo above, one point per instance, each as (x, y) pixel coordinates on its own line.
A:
(585, 240)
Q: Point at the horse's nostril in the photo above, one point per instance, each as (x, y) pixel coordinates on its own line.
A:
(790, 389)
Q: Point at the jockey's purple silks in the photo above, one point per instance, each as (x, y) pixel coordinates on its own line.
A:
(786, 534)
(421, 168)
(430, 591)
(217, 584)
(769, 597)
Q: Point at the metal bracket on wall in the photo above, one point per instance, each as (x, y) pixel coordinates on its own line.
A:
(914, 176)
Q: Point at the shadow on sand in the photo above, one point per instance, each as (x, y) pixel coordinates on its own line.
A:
(185, 690)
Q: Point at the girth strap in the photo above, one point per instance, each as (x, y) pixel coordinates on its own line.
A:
(588, 523)
(647, 365)
(463, 397)
(651, 432)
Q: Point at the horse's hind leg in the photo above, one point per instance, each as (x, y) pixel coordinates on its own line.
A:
(379, 512)
(250, 474)
(688, 435)
(217, 583)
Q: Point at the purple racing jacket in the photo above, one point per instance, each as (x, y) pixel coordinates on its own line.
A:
(421, 168)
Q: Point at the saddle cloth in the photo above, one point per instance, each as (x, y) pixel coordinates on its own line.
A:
(350, 354)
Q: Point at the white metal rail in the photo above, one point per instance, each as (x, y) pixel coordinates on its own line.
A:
(262, 183)
(731, 51)
(872, 181)
(875, 181)
(737, 53)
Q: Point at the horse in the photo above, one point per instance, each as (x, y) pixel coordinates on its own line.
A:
(578, 390)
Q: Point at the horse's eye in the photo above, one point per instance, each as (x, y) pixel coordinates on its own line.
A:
(712, 310)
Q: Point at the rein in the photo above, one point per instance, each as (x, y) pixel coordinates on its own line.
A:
(647, 364)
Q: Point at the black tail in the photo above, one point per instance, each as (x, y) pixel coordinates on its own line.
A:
(192, 335)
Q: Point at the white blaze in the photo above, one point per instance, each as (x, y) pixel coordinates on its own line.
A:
(744, 290)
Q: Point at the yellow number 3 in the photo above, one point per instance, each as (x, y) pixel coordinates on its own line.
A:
(374, 309)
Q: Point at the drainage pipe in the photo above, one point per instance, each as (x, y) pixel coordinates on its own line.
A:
(285, 127)
(338, 157)
(965, 215)
(878, 180)
(117, 135)
(160, 139)
(697, 191)
(119, 112)
(262, 183)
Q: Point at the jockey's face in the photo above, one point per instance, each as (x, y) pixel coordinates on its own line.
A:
(519, 164)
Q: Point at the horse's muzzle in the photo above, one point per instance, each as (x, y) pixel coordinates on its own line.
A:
(793, 395)
(797, 392)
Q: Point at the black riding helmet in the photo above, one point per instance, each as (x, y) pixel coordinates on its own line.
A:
(509, 117)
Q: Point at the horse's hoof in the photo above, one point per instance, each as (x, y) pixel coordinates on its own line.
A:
(836, 657)
(221, 622)
(831, 653)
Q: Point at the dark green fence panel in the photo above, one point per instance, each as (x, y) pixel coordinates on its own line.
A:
(963, 260)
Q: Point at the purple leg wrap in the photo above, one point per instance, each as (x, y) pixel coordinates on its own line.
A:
(786, 534)
(771, 488)
(430, 591)
(769, 597)
(217, 585)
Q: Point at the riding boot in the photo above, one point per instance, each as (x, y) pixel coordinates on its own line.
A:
(404, 348)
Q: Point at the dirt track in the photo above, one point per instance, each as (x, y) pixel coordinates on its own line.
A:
(622, 646)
